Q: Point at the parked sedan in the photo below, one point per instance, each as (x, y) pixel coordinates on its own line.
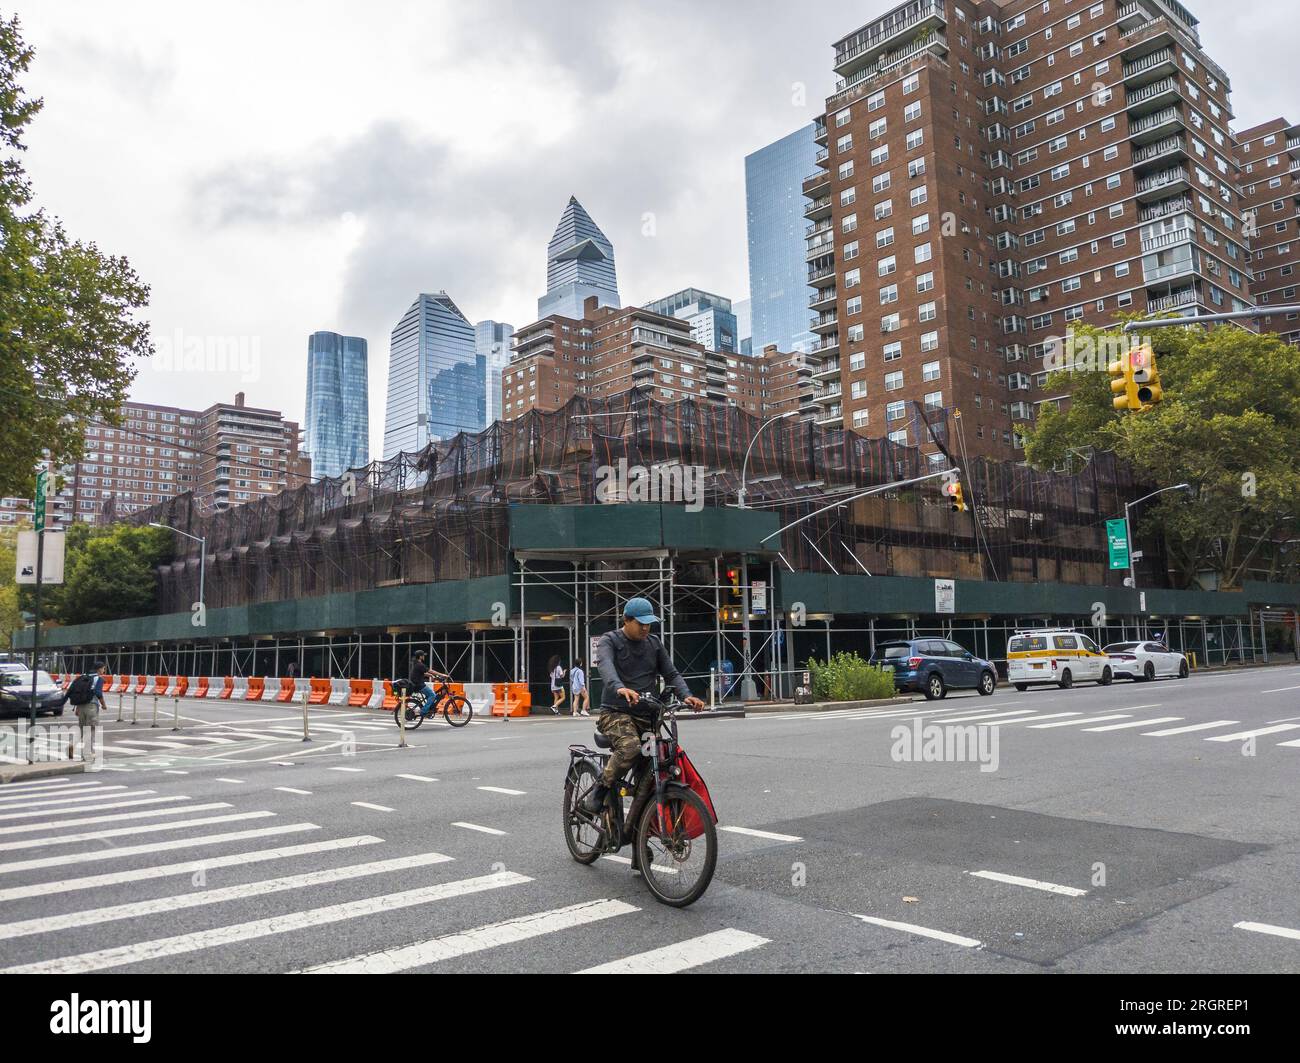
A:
(16, 693)
(935, 666)
(1145, 661)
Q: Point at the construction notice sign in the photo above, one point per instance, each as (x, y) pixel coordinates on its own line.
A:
(1117, 538)
(945, 596)
(51, 564)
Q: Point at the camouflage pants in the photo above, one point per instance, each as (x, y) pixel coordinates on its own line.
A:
(624, 735)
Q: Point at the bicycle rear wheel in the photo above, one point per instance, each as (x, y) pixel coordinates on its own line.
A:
(676, 867)
(584, 840)
(414, 715)
(457, 710)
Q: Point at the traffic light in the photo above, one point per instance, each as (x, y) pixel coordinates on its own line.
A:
(1146, 375)
(1123, 384)
(733, 577)
(956, 499)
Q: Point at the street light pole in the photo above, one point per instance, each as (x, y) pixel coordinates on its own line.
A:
(1128, 531)
(203, 554)
(744, 468)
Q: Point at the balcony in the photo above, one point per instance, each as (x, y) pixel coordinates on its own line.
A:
(824, 323)
(818, 208)
(818, 228)
(817, 183)
(1133, 15)
(826, 345)
(859, 50)
(1172, 301)
(1168, 239)
(1165, 208)
(1160, 185)
(1153, 127)
(821, 273)
(821, 299)
(820, 133)
(819, 248)
(834, 417)
(858, 83)
(828, 369)
(1153, 97)
(1150, 67)
(1165, 149)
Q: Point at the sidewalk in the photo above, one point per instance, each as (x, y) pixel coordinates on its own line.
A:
(40, 770)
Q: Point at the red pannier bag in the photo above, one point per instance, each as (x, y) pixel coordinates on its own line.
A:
(690, 777)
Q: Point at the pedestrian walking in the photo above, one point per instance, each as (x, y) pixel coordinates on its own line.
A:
(578, 690)
(86, 694)
(556, 670)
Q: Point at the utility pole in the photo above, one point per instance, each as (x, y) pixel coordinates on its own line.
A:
(42, 491)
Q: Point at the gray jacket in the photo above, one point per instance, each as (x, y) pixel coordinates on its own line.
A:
(625, 662)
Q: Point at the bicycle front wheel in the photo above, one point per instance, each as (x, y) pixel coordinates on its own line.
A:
(457, 710)
(677, 858)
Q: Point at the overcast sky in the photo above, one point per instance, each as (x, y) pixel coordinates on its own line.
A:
(280, 167)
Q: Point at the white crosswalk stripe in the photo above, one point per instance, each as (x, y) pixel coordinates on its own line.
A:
(86, 821)
(121, 832)
(683, 956)
(1260, 732)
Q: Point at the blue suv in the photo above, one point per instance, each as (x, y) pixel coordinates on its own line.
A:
(935, 666)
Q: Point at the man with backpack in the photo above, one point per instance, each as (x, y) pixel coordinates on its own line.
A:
(86, 695)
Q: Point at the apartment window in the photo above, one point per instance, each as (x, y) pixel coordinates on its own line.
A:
(880, 182)
(916, 168)
(848, 196)
(886, 266)
(844, 144)
(930, 371)
(857, 360)
(927, 312)
(842, 119)
(924, 282)
(929, 342)
(884, 209)
(856, 333)
(853, 306)
(876, 101)
(889, 294)
(846, 170)
(885, 237)
(915, 139)
(853, 278)
(890, 323)
(919, 195)
(859, 418)
(934, 400)
(911, 84)
(923, 253)
(858, 389)
(880, 155)
(896, 411)
(920, 224)
(912, 111)
(893, 352)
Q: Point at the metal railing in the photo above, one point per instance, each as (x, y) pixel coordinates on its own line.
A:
(1165, 55)
(1160, 179)
(875, 40)
(1150, 121)
(1165, 208)
(1147, 92)
(1163, 147)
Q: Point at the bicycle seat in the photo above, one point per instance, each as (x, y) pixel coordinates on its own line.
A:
(601, 741)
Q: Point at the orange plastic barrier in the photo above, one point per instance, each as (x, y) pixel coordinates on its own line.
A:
(119, 684)
(256, 687)
(201, 691)
(359, 691)
(320, 692)
(228, 687)
(182, 685)
(159, 684)
(140, 682)
(286, 690)
(511, 699)
(390, 699)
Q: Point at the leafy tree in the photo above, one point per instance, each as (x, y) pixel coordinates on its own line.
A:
(68, 312)
(11, 617)
(108, 574)
(1229, 425)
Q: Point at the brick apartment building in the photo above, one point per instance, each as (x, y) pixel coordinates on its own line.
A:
(1269, 158)
(161, 451)
(611, 350)
(996, 170)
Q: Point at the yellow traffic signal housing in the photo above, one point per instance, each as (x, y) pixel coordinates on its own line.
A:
(1123, 384)
(956, 498)
(1146, 376)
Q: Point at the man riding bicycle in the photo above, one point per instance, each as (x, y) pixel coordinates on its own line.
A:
(419, 678)
(630, 659)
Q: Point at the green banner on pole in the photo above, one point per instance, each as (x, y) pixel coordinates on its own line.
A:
(42, 481)
(1117, 537)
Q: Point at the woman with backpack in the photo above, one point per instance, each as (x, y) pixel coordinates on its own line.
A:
(556, 670)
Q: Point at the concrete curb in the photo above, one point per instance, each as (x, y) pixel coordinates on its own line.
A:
(823, 706)
(23, 772)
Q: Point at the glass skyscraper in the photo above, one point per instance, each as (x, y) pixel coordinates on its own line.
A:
(436, 384)
(492, 344)
(337, 422)
(579, 264)
(713, 325)
(778, 270)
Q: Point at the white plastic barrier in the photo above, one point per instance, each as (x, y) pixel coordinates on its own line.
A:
(480, 695)
(173, 685)
(191, 685)
(270, 687)
(240, 689)
(301, 689)
(339, 691)
(376, 696)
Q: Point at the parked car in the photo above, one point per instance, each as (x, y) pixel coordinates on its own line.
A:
(1056, 658)
(1145, 661)
(935, 666)
(16, 693)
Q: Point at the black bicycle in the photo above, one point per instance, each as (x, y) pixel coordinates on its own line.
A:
(673, 836)
(456, 709)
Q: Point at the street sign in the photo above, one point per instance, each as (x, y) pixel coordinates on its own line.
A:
(42, 482)
(945, 596)
(51, 564)
(758, 597)
(1117, 537)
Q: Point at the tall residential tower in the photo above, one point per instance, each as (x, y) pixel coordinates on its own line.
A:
(579, 264)
(336, 426)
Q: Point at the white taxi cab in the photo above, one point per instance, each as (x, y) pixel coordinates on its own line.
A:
(1059, 658)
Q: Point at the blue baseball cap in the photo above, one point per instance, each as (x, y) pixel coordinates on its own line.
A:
(640, 609)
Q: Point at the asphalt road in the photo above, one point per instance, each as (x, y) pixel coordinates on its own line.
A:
(1141, 827)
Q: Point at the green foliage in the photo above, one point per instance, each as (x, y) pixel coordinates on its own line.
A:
(68, 312)
(847, 677)
(108, 574)
(11, 617)
(1228, 425)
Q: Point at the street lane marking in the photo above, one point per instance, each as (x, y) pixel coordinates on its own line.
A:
(1046, 716)
(174, 771)
(1267, 928)
(1279, 690)
(120, 832)
(1073, 723)
(1134, 708)
(86, 821)
(694, 952)
(77, 809)
(762, 834)
(152, 847)
(292, 790)
(1255, 734)
(238, 782)
(492, 935)
(503, 790)
(1135, 723)
(417, 778)
(259, 928)
(1290, 745)
(628, 860)
(373, 808)
(31, 801)
(1189, 729)
(186, 867)
(45, 784)
(921, 931)
(475, 826)
(160, 905)
(1029, 883)
(347, 769)
(1020, 714)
